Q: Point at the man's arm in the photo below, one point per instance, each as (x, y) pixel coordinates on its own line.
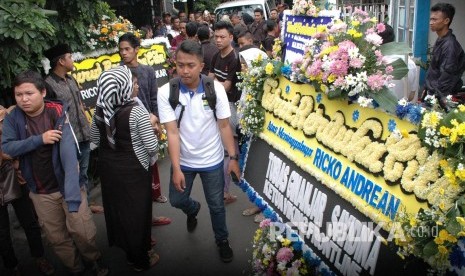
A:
(153, 90)
(174, 150)
(227, 84)
(11, 143)
(228, 142)
(94, 133)
(168, 118)
(449, 68)
(68, 159)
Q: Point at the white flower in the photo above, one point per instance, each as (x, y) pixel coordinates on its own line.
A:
(362, 76)
(364, 102)
(353, 52)
(374, 39)
(430, 132)
(403, 102)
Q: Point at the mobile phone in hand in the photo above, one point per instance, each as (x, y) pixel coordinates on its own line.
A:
(234, 177)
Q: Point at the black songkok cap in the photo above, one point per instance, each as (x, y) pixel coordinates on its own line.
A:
(57, 51)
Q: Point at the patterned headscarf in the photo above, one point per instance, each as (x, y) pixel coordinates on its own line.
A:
(114, 91)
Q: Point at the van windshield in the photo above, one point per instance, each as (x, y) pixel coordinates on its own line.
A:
(237, 9)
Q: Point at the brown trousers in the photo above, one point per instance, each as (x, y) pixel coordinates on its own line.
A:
(67, 231)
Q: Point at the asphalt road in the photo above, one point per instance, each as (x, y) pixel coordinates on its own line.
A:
(181, 253)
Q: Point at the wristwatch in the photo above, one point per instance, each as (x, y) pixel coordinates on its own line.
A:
(234, 157)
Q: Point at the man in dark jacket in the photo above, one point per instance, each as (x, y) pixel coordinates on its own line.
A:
(39, 134)
(62, 86)
(257, 28)
(448, 58)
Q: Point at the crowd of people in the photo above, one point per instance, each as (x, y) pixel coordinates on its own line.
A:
(46, 140)
(180, 27)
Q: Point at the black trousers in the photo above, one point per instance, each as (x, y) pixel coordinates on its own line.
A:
(24, 211)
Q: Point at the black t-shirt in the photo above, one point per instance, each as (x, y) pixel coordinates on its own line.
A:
(268, 43)
(226, 69)
(42, 165)
(209, 50)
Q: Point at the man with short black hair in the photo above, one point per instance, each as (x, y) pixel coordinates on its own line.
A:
(166, 27)
(191, 30)
(175, 26)
(274, 15)
(209, 49)
(272, 33)
(448, 58)
(62, 86)
(224, 68)
(196, 147)
(239, 27)
(177, 40)
(38, 132)
(257, 28)
(182, 16)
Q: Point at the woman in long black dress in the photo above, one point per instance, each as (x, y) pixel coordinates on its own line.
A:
(126, 141)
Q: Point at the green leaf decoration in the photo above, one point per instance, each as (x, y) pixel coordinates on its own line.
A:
(430, 249)
(446, 120)
(400, 69)
(334, 94)
(454, 227)
(395, 48)
(386, 100)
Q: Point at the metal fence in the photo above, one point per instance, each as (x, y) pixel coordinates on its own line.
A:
(379, 10)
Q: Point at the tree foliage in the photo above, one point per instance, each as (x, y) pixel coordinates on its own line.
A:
(210, 5)
(28, 27)
(24, 32)
(74, 18)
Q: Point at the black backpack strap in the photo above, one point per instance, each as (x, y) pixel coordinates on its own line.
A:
(174, 93)
(210, 94)
(174, 97)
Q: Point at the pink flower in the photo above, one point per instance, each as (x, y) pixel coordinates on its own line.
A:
(379, 57)
(265, 223)
(380, 27)
(346, 44)
(270, 270)
(356, 63)
(339, 82)
(389, 69)
(369, 31)
(297, 63)
(339, 68)
(376, 82)
(338, 28)
(315, 69)
(284, 254)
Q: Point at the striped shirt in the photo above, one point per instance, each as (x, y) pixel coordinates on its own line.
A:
(144, 141)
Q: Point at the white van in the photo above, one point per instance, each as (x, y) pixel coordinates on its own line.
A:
(244, 6)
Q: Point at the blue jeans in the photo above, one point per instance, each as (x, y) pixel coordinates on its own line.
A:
(83, 159)
(213, 187)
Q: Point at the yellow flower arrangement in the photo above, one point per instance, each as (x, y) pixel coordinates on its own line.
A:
(250, 111)
(443, 135)
(105, 35)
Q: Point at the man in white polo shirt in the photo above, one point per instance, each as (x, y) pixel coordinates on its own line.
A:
(195, 145)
